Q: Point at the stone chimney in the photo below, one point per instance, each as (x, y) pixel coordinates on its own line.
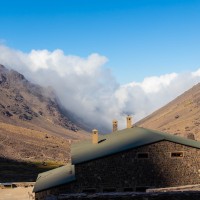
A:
(95, 138)
(115, 125)
(129, 121)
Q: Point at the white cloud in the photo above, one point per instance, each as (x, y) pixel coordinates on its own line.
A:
(196, 73)
(65, 65)
(90, 91)
(155, 83)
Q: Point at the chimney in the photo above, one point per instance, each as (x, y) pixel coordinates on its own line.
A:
(129, 121)
(115, 125)
(95, 136)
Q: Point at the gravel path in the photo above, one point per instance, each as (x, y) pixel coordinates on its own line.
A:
(20, 193)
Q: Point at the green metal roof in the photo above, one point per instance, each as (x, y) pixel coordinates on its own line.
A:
(55, 177)
(122, 140)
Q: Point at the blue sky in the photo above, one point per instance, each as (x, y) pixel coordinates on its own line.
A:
(104, 58)
(140, 38)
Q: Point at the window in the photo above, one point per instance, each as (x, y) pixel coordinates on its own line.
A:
(128, 189)
(177, 154)
(6, 185)
(109, 190)
(89, 190)
(141, 189)
(142, 155)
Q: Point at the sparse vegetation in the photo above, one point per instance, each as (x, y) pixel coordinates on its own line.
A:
(180, 116)
(177, 116)
(190, 136)
(16, 171)
(34, 129)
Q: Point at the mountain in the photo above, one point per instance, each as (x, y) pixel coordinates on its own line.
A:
(33, 124)
(180, 117)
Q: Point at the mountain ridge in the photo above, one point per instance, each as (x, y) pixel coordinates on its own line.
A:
(179, 117)
(32, 120)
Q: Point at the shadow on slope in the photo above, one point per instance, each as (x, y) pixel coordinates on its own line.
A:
(20, 171)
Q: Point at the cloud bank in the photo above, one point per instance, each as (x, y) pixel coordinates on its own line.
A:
(89, 90)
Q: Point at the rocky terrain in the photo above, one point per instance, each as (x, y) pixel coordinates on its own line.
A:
(23, 100)
(34, 127)
(180, 117)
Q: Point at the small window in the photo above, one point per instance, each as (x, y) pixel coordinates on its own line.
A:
(109, 190)
(177, 154)
(89, 190)
(141, 189)
(14, 186)
(142, 155)
(6, 185)
(128, 189)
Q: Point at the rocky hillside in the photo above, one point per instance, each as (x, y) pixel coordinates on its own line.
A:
(33, 125)
(180, 117)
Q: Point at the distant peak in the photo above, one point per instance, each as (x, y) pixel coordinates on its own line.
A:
(3, 69)
(16, 75)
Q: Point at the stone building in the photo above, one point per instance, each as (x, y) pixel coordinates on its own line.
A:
(132, 159)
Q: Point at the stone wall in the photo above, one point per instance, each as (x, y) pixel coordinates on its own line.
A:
(132, 196)
(126, 172)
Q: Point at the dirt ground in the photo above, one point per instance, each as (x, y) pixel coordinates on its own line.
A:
(19, 193)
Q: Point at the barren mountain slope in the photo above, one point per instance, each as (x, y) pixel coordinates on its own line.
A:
(33, 125)
(180, 117)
